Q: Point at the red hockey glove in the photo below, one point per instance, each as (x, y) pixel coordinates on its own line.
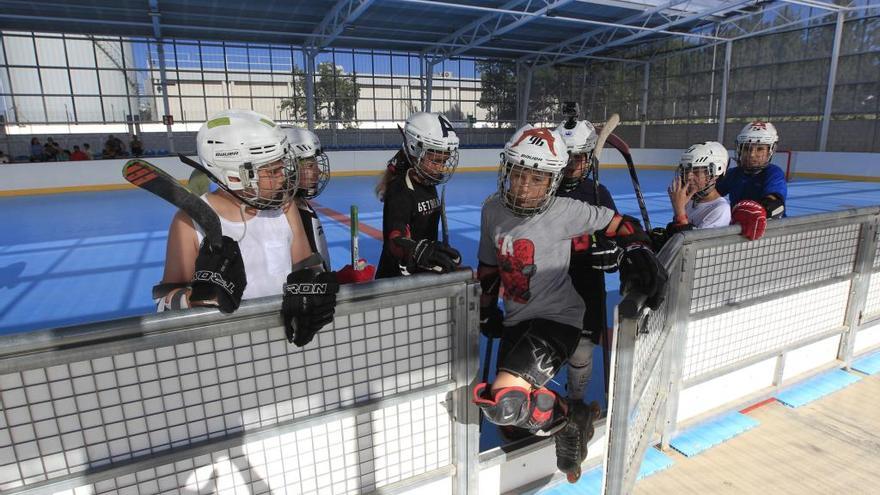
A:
(752, 217)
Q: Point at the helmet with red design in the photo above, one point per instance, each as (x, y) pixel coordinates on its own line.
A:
(531, 170)
(755, 145)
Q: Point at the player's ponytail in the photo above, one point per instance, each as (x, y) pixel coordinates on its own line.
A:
(398, 165)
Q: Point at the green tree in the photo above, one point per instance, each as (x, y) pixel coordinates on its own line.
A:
(336, 96)
(498, 93)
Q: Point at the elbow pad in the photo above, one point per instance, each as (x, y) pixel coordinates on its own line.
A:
(774, 205)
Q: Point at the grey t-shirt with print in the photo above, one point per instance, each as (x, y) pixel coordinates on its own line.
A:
(533, 254)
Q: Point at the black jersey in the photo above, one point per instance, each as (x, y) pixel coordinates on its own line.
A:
(411, 210)
(589, 283)
(584, 192)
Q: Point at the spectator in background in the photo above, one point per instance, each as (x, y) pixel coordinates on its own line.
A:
(51, 150)
(114, 144)
(78, 154)
(4, 158)
(37, 154)
(64, 156)
(87, 150)
(136, 146)
(109, 151)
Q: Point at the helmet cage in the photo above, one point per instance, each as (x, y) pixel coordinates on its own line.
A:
(322, 163)
(744, 148)
(684, 169)
(506, 174)
(246, 184)
(570, 183)
(434, 175)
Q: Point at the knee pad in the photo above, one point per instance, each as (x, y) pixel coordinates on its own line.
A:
(534, 359)
(516, 406)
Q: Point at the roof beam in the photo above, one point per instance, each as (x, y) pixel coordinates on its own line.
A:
(588, 49)
(817, 5)
(493, 26)
(156, 17)
(341, 16)
(472, 29)
(581, 39)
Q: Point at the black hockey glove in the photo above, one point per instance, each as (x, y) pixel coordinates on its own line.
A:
(659, 238)
(604, 253)
(490, 321)
(219, 276)
(429, 255)
(641, 271)
(309, 301)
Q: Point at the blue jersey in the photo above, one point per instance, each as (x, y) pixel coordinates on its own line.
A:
(738, 185)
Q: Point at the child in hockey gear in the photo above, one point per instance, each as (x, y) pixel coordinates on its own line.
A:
(411, 214)
(249, 157)
(756, 188)
(591, 255)
(695, 202)
(525, 245)
(313, 172)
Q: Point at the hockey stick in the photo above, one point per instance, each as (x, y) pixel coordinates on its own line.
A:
(355, 231)
(149, 177)
(621, 146)
(606, 131)
(604, 134)
(444, 225)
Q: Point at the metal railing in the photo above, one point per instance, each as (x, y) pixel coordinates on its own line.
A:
(733, 304)
(197, 400)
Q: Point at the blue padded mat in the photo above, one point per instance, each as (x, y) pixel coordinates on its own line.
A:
(868, 365)
(816, 387)
(706, 435)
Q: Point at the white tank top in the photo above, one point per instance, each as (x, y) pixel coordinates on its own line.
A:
(265, 250)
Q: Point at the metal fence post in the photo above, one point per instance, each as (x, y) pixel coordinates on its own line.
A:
(466, 439)
(858, 293)
(619, 404)
(676, 356)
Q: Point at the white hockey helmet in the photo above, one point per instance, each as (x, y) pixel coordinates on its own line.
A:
(531, 152)
(313, 166)
(580, 138)
(431, 144)
(712, 156)
(756, 134)
(234, 145)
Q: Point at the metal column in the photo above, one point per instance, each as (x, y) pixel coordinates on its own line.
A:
(429, 84)
(644, 117)
(155, 17)
(164, 83)
(722, 107)
(310, 89)
(832, 77)
(422, 82)
(524, 75)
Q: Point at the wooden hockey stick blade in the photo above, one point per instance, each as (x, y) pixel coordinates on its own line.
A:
(606, 131)
(149, 177)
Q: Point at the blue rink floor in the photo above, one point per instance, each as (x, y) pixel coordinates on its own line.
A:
(74, 258)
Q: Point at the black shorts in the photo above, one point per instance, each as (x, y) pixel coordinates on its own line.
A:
(535, 350)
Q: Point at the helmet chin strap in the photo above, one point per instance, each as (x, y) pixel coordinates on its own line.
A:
(241, 208)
